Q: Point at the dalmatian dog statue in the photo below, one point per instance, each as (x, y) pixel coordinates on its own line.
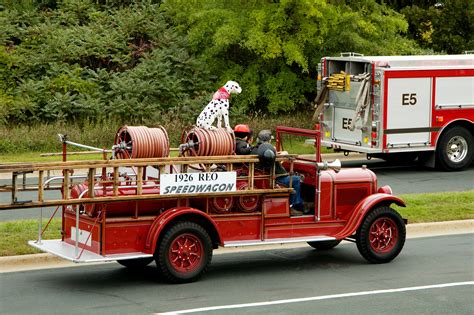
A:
(218, 107)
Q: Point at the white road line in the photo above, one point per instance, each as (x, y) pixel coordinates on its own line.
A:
(317, 298)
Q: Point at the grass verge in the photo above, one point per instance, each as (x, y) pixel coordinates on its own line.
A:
(35, 157)
(421, 208)
(435, 207)
(14, 236)
(42, 137)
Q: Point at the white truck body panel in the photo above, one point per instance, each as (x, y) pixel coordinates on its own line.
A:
(408, 107)
(453, 92)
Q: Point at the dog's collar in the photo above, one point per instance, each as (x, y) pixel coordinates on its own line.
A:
(221, 94)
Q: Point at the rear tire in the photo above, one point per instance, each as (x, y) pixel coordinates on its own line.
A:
(136, 263)
(184, 253)
(455, 149)
(381, 236)
(324, 245)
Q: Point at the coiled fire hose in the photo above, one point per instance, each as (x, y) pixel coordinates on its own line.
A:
(141, 142)
(203, 142)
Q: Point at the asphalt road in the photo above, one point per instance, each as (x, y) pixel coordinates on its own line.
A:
(433, 276)
(411, 178)
(402, 178)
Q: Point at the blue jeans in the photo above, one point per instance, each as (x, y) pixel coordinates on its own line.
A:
(295, 198)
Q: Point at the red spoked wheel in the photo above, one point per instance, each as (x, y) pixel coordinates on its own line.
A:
(184, 253)
(381, 236)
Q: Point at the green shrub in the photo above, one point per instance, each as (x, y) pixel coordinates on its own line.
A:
(75, 60)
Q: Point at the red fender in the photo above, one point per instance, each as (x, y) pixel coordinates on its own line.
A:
(166, 217)
(361, 210)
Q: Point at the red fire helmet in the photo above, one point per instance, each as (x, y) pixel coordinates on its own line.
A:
(242, 128)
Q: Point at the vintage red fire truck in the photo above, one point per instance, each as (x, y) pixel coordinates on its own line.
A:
(143, 205)
(399, 107)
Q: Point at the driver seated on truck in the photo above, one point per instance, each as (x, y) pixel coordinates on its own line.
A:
(265, 148)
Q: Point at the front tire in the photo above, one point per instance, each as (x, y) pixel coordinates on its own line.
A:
(324, 245)
(381, 236)
(184, 253)
(455, 149)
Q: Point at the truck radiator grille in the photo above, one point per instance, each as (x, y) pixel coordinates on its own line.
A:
(350, 196)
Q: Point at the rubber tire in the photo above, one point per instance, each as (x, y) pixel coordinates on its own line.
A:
(166, 270)
(136, 263)
(362, 235)
(442, 159)
(324, 245)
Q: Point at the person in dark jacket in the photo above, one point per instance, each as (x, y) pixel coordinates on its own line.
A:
(243, 139)
(265, 149)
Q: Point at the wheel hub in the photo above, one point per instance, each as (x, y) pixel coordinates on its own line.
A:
(185, 253)
(383, 235)
(457, 149)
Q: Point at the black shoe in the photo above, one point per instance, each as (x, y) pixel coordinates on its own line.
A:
(308, 208)
(294, 212)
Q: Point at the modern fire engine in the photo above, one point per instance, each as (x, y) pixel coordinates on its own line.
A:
(399, 107)
(142, 204)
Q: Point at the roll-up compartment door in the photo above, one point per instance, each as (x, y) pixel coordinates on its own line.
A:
(408, 112)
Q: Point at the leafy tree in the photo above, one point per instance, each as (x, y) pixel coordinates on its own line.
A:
(444, 26)
(454, 28)
(400, 4)
(272, 47)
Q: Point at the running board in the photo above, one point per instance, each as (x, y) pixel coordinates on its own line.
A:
(279, 241)
(67, 251)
